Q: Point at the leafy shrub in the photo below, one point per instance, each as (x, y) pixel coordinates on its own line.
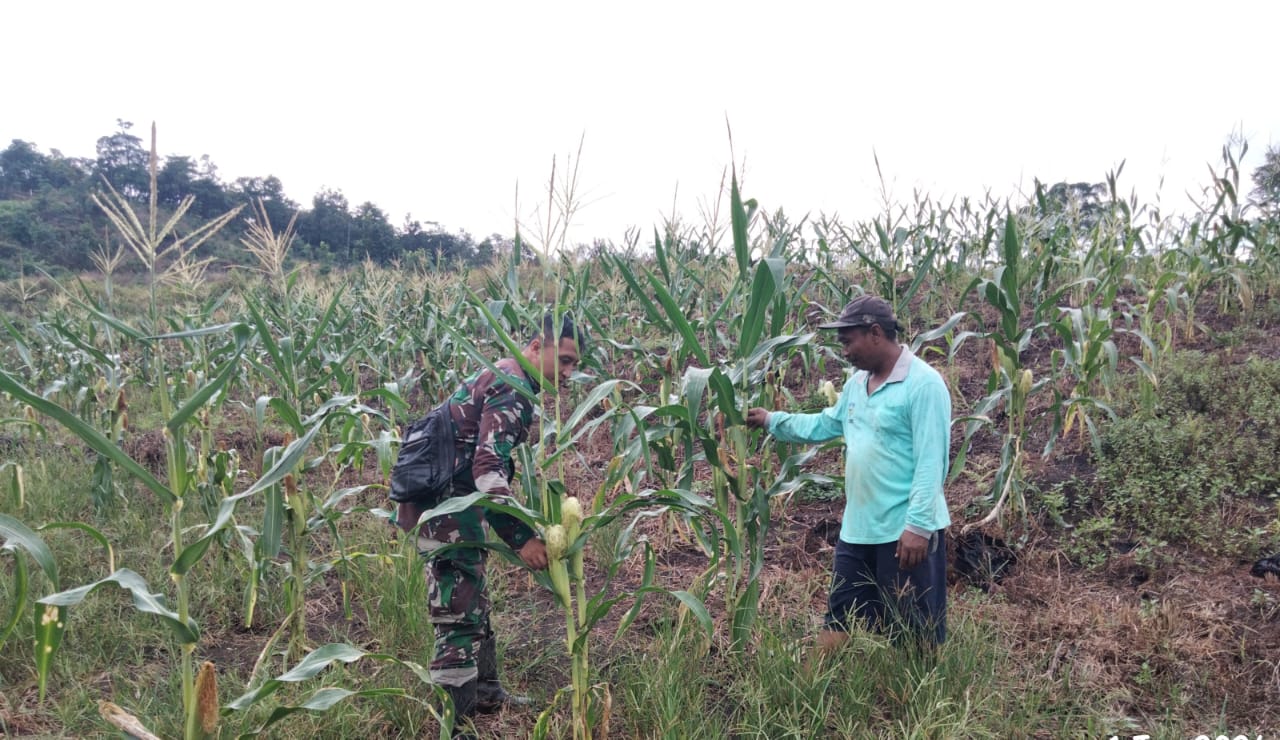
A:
(1203, 463)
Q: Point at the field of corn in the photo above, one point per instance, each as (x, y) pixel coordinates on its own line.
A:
(193, 470)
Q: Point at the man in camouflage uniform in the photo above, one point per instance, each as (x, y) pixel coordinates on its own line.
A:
(490, 419)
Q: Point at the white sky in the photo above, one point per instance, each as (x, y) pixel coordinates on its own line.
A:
(441, 109)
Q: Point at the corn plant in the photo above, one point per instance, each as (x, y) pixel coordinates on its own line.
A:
(1088, 359)
(548, 509)
(1140, 320)
(160, 249)
(1009, 381)
(685, 422)
(907, 252)
(565, 576)
(181, 479)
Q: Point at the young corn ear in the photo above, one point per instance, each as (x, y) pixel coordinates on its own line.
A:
(829, 392)
(557, 543)
(1025, 382)
(571, 517)
(207, 697)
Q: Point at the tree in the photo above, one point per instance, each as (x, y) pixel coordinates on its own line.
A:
(493, 247)
(372, 235)
(66, 172)
(174, 180)
(1266, 181)
(123, 162)
(23, 169)
(270, 191)
(328, 224)
(436, 245)
(179, 177)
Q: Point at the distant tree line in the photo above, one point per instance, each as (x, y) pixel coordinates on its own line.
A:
(47, 215)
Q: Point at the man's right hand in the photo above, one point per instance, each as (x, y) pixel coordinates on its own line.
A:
(534, 554)
(758, 418)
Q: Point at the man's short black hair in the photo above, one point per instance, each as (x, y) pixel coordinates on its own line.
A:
(568, 330)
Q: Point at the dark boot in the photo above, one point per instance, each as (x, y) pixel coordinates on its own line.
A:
(464, 706)
(490, 696)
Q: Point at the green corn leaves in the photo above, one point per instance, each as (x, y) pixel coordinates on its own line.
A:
(87, 433)
(325, 699)
(51, 616)
(20, 541)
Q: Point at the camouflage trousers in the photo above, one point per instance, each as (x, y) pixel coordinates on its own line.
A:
(457, 594)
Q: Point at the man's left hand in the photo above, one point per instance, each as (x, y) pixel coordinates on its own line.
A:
(912, 549)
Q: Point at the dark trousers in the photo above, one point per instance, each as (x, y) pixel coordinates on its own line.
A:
(867, 584)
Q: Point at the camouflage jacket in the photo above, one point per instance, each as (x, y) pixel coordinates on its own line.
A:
(490, 419)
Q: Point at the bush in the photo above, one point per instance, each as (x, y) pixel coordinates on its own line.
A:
(1202, 469)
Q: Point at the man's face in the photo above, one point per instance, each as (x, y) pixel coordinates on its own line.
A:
(857, 343)
(558, 361)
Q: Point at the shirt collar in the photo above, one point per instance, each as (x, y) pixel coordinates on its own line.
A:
(900, 368)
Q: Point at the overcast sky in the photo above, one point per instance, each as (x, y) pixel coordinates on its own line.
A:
(443, 109)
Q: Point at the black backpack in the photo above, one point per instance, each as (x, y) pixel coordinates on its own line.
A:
(423, 473)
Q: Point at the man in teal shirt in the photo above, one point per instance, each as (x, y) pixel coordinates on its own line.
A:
(895, 416)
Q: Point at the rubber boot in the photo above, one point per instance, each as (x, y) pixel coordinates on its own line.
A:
(490, 696)
(464, 706)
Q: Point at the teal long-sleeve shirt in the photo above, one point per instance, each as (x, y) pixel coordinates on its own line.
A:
(897, 447)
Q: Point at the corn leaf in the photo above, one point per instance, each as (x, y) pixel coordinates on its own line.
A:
(739, 222)
(18, 595)
(187, 632)
(202, 396)
(744, 614)
(322, 700)
(763, 288)
(14, 535)
(651, 311)
(86, 433)
(270, 539)
(682, 325)
(98, 536)
(326, 698)
(284, 464)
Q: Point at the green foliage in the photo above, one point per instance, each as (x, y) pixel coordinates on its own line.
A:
(1212, 446)
(1266, 182)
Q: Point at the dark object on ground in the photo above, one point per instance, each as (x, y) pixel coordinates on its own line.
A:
(983, 560)
(822, 536)
(1266, 565)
